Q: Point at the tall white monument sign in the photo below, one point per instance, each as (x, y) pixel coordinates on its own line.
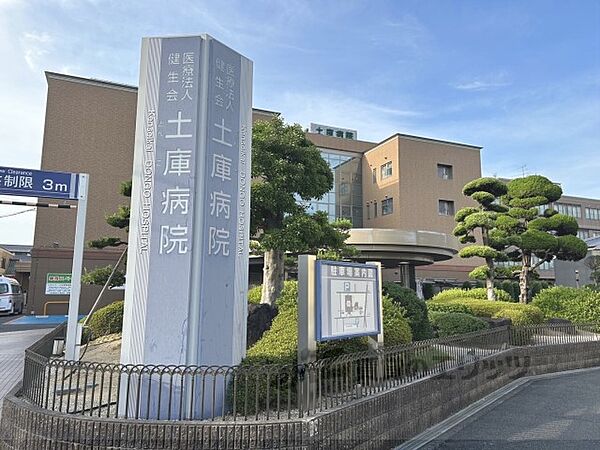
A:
(187, 266)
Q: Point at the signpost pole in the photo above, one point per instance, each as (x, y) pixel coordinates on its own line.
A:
(307, 344)
(71, 352)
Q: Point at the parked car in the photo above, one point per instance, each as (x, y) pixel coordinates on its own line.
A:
(11, 296)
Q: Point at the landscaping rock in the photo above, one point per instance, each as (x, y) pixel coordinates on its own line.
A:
(260, 318)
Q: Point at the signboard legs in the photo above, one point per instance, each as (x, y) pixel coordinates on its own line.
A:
(71, 349)
(307, 344)
(376, 341)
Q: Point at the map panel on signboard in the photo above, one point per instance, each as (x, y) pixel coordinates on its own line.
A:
(348, 300)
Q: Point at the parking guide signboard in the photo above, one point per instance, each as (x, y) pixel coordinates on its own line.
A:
(347, 300)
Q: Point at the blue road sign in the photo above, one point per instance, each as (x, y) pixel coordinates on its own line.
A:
(38, 183)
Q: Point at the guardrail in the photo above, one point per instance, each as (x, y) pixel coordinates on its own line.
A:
(267, 392)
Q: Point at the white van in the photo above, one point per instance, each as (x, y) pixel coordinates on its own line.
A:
(11, 296)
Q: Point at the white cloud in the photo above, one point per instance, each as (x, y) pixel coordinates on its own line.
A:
(373, 121)
(478, 85)
(35, 46)
(483, 83)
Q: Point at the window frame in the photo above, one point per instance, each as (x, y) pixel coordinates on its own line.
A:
(441, 167)
(387, 202)
(448, 211)
(384, 173)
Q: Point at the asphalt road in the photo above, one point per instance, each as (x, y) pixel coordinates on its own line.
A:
(12, 348)
(552, 413)
(6, 327)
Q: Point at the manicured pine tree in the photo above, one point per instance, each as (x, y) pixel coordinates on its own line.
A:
(482, 219)
(531, 230)
(120, 220)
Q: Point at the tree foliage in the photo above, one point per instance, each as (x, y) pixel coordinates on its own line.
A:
(120, 220)
(531, 232)
(593, 262)
(287, 170)
(470, 220)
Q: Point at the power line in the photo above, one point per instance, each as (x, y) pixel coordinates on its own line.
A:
(17, 213)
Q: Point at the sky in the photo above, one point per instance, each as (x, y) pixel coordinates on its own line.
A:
(519, 78)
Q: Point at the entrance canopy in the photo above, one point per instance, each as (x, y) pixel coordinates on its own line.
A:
(392, 246)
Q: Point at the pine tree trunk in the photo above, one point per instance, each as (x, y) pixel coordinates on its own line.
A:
(489, 281)
(524, 279)
(273, 274)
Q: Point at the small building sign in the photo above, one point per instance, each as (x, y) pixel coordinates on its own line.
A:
(328, 130)
(347, 300)
(58, 284)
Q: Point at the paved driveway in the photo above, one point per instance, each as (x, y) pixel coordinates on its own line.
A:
(12, 347)
(562, 412)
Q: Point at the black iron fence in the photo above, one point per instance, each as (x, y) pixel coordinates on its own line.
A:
(267, 392)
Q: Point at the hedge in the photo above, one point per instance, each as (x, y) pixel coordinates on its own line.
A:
(453, 323)
(448, 308)
(107, 320)
(279, 345)
(493, 309)
(577, 305)
(416, 309)
(476, 293)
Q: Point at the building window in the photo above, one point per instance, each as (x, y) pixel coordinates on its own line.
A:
(387, 206)
(349, 135)
(446, 207)
(592, 213)
(386, 170)
(568, 209)
(374, 176)
(374, 209)
(368, 211)
(444, 171)
(582, 233)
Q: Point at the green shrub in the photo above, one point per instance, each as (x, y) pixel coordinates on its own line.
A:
(254, 295)
(416, 309)
(427, 291)
(476, 293)
(553, 302)
(448, 308)
(453, 323)
(279, 345)
(520, 317)
(537, 286)
(512, 287)
(577, 305)
(492, 309)
(107, 320)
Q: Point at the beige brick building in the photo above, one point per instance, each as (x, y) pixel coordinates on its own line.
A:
(404, 182)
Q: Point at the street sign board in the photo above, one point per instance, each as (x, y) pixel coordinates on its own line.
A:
(347, 300)
(38, 183)
(58, 284)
